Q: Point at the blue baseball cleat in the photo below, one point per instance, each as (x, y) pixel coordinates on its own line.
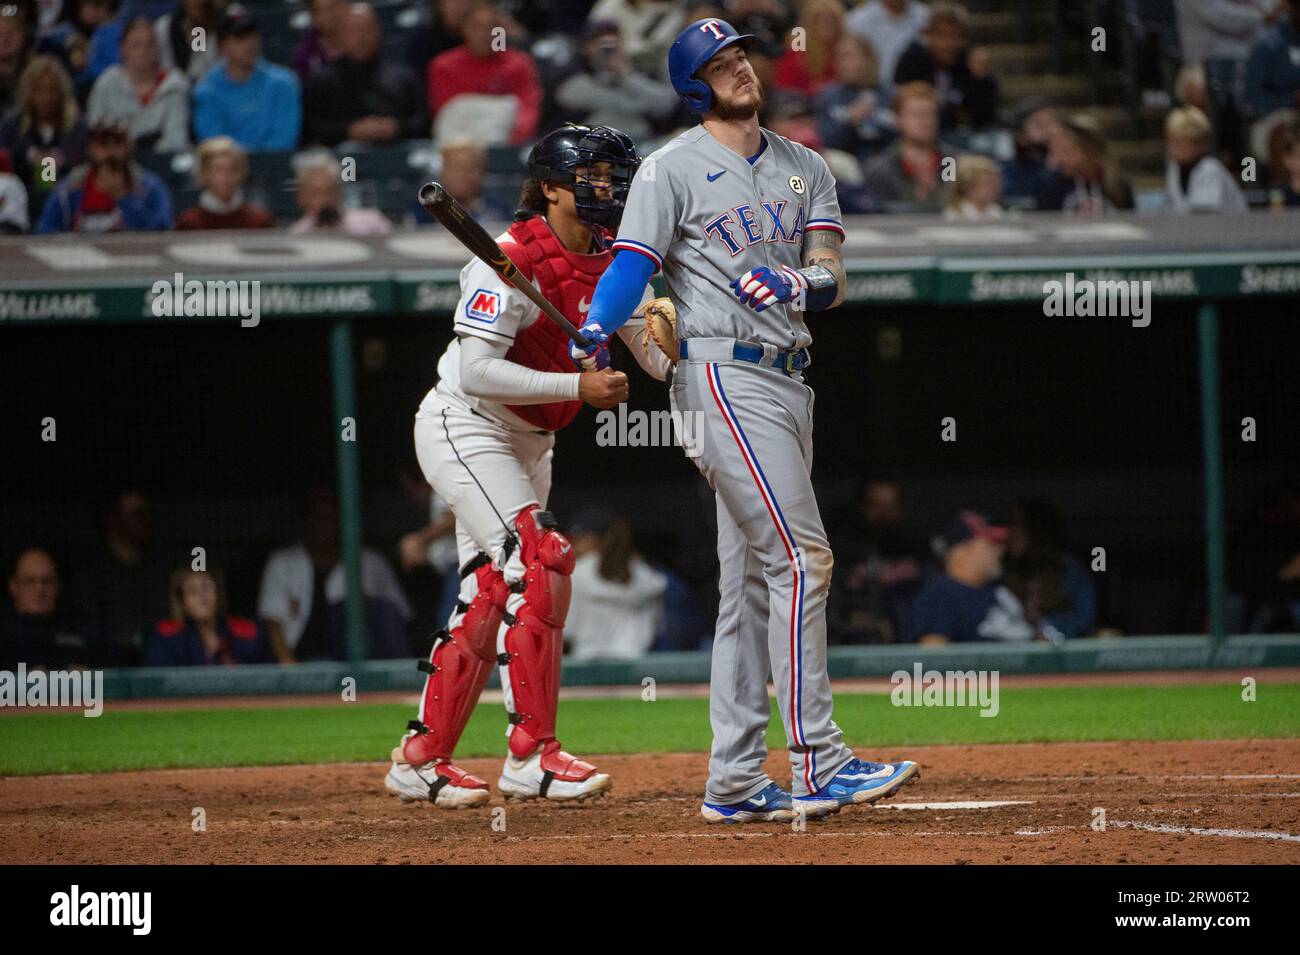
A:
(862, 781)
(773, 804)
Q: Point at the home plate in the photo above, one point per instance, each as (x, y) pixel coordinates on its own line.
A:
(956, 805)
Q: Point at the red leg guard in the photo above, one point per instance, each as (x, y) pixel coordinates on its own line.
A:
(534, 641)
(458, 670)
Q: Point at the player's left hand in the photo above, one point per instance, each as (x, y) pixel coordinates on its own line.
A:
(758, 288)
(597, 356)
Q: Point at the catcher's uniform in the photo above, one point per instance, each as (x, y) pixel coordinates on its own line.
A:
(484, 437)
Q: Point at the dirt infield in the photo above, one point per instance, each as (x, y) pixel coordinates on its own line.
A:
(1186, 802)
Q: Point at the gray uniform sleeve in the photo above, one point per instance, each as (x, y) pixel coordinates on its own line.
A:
(824, 207)
(651, 215)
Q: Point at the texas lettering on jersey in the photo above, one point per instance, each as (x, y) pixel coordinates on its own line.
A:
(740, 224)
(704, 215)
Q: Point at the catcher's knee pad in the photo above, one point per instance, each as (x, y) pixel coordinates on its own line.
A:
(534, 641)
(458, 668)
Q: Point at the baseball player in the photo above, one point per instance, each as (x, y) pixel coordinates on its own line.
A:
(484, 438)
(745, 227)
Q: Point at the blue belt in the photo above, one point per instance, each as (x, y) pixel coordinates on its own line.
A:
(788, 362)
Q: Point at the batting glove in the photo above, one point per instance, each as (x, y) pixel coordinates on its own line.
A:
(761, 287)
(597, 356)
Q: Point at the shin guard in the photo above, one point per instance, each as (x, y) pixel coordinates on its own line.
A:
(534, 641)
(458, 669)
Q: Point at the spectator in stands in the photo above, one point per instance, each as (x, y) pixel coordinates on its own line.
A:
(153, 103)
(790, 114)
(45, 125)
(110, 193)
(1027, 176)
(964, 603)
(320, 197)
(1288, 194)
(878, 567)
(852, 113)
(1153, 51)
(441, 30)
(304, 586)
(974, 196)
(13, 199)
(105, 47)
(176, 36)
(1265, 559)
(1052, 585)
(890, 26)
(1272, 83)
(255, 103)
(222, 171)
(483, 67)
(609, 92)
(907, 172)
(199, 631)
(36, 629)
(69, 40)
(362, 96)
(1217, 34)
(462, 173)
(15, 52)
(810, 67)
(648, 26)
(617, 600)
(1195, 180)
(324, 41)
(962, 76)
(1079, 151)
(124, 587)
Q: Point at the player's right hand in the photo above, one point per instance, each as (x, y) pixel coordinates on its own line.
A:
(603, 389)
(595, 357)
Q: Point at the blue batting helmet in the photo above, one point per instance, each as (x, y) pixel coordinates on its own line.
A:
(695, 46)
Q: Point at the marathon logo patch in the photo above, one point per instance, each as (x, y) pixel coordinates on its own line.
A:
(484, 306)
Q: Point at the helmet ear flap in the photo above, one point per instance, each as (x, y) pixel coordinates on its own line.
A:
(697, 95)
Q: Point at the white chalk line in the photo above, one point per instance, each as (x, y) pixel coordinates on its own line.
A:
(1166, 829)
(1194, 831)
(1136, 776)
(986, 804)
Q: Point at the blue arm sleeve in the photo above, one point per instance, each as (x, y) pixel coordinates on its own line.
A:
(619, 290)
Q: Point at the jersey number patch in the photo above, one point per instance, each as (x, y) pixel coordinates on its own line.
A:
(484, 306)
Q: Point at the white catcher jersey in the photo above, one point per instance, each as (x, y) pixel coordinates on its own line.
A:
(494, 310)
(706, 215)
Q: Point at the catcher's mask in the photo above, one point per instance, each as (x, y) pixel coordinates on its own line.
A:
(559, 155)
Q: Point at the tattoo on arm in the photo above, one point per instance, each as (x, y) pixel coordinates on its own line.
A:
(822, 247)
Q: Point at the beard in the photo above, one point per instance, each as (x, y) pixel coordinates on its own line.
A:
(734, 109)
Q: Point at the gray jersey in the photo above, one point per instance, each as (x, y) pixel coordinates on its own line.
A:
(706, 215)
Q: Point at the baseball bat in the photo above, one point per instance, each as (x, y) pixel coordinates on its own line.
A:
(442, 206)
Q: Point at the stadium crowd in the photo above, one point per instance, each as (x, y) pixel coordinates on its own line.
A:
(146, 114)
(105, 104)
(971, 580)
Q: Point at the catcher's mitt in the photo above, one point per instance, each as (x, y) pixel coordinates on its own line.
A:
(661, 324)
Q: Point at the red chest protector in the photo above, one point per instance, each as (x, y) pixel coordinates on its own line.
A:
(568, 280)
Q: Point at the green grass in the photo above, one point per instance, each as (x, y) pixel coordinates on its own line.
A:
(71, 743)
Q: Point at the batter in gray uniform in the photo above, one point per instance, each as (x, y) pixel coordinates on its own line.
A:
(746, 228)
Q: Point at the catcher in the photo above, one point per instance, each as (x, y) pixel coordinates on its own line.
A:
(484, 437)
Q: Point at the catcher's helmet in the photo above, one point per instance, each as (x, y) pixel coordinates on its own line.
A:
(559, 154)
(695, 46)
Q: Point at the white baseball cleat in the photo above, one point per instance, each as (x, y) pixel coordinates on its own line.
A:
(442, 784)
(551, 773)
